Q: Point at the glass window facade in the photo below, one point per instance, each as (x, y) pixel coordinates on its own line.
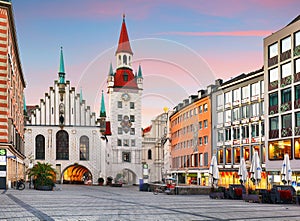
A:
(278, 148)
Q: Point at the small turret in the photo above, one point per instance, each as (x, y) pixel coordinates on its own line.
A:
(139, 78)
(102, 115)
(110, 78)
(61, 74)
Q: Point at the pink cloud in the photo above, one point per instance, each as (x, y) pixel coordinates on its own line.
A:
(254, 33)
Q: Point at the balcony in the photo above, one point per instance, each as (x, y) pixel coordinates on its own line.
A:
(297, 51)
(297, 77)
(297, 104)
(272, 61)
(286, 81)
(297, 131)
(285, 55)
(273, 134)
(286, 106)
(286, 132)
(273, 85)
(273, 109)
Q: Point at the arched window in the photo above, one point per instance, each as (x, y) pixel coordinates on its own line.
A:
(119, 62)
(62, 145)
(149, 155)
(40, 147)
(125, 59)
(84, 148)
(129, 60)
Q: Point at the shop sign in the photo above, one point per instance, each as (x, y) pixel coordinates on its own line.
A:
(236, 142)
(245, 121)
(236, 122)
(228, 143)
(253, 119)
(255, 140)
(245, 141)
(227, 124)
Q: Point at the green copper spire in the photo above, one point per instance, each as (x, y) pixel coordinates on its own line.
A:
(140, 75)
(111, 72)
(102, 110)
(61, 71)
(80, 97)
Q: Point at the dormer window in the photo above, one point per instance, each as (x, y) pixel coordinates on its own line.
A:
(125, 76)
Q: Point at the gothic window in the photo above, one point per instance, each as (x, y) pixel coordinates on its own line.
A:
(84, 148)
(125, 59)
(149, 155)
(119, 60)
(40, 147)
(62, 145)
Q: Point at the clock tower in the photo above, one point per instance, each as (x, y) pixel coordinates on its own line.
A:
(124, 94)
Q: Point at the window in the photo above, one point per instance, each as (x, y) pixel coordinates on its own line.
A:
(286, 96)
(205, 107)
(297, 38)
(205, 123)
(228, 155)
(84, 148)
(245, 92)
(119, 104)
(277, 149)
(273, 75)
(297, 66)
(236, 95)
(286, 121)
(254, 130)
(255, 89)
(237, 155)
(262, 129)
(220, 117)
(125, 76)
(149, 154)
(235, 114)
(132, 131)
(200, 141)
(200, 109)
(262, 86)
(273, 99)
(131, 105)
(286, 70)
(133, 143)
(201, 159)
(255, 110)
(40, 147)
(220, 135)
(205, 140)
(236, 133)
(246, 152)
(286, 44)
(62, 145)
(245, 111)
(131, 118)
(126, 143)
(126, 157)
(200, 125)
(205, 159)
(120, 130)
(125, 59)
(220, 101)
(220, 156)
(228, 134)
(273, 50)
(228, 98)
(297, 148)
(245, 131)
(119, 142)
(119, 117)
(228, 116)
(274, 123)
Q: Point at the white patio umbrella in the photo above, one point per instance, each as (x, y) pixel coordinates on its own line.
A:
(286, 171)
(214, 170)
(243, 174)
(255, 168)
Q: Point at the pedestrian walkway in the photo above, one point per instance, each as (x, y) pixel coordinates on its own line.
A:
(78, 202)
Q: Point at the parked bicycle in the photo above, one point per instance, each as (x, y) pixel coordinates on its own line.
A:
(20, 185)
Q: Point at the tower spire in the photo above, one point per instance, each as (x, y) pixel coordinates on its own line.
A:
(111, 72)
(80, 96)
(140, 75)
(124, 44)
(102, 110)
(61, 71)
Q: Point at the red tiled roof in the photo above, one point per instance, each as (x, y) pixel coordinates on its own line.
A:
(124, 44)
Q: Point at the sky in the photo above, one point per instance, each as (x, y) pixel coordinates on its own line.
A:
(182, 46)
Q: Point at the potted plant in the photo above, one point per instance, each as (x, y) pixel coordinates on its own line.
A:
(100, 181)
(43, 176)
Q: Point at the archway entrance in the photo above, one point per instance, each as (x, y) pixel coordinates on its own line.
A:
(127, 176)
(77, 174)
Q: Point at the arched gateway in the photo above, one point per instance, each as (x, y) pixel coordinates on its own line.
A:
(77, 174)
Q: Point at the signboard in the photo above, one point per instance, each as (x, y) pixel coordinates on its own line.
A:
(3, 168)
(2, 152)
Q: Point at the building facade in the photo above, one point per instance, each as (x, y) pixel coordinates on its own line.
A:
(124, 94)
(12, 86)
(238, 124)
(63, 131)
(282, 77)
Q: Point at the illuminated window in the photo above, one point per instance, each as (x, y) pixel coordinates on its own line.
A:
(256, 148)
(278, 148)
(246, 153)
(297, 148)
(220, 156)
(237, 155)
(228, 155)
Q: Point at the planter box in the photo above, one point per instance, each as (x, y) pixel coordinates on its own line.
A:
(254, 198)
(44, 188)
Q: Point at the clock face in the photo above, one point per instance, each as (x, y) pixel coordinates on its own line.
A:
(125, 97)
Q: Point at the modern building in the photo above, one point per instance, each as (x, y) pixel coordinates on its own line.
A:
(238, 124)
(191, 142)
(63, 131)
(12, 86)
(282, 77)
(125, 94)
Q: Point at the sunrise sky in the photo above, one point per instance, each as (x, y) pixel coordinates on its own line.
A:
(182, 46)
